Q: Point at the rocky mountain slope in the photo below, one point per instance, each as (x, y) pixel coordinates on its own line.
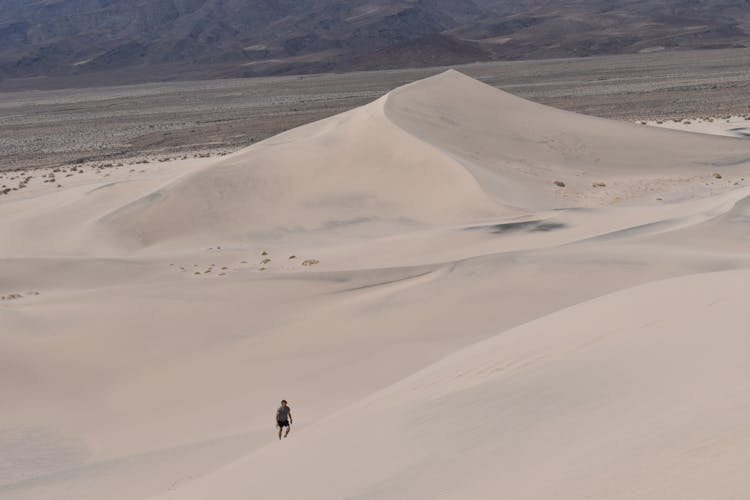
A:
(185, 38)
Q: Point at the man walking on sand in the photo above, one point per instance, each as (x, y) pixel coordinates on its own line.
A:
(283, 418)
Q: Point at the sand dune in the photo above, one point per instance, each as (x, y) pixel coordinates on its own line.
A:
(445, 320)
(349, 169)
(515, 147)
(624, 396)
(446, 150)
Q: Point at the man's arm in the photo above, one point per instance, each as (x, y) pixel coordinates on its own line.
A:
(290, 416)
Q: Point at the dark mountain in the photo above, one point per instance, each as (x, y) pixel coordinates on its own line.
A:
(180, 38)
(435, 49)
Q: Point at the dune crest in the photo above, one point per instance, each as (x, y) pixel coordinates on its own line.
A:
(348, 169)
(446, 150)
(517, 148)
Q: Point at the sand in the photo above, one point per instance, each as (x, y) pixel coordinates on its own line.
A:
(461, 293)
(728, 125)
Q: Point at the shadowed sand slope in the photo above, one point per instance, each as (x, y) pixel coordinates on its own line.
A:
(516, 148)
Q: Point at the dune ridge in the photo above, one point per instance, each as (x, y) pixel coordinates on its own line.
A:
(445, 150)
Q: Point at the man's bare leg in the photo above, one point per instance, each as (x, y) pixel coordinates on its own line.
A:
(287, 431)
(280, 429)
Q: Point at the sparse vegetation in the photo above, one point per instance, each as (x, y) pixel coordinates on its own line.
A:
(243, 128)
(559, 183)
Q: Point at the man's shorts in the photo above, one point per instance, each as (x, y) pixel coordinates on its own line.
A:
(283, 423)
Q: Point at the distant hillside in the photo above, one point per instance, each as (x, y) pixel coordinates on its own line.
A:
(177, 38)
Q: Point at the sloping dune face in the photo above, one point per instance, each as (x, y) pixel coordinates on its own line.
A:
(619, 397)
(516, 147)
(351, 168)
(462, 294)
(441, 151)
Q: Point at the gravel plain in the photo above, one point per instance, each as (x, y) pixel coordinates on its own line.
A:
(158, 121)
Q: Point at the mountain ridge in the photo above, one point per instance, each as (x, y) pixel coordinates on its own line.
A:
(168, 38)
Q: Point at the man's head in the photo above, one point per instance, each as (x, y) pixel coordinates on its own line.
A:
(283, 402)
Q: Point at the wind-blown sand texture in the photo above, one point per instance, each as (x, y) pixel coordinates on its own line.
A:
(461, 293)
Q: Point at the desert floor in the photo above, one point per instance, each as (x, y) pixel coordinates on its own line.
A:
(157, 121)
(462, 294)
